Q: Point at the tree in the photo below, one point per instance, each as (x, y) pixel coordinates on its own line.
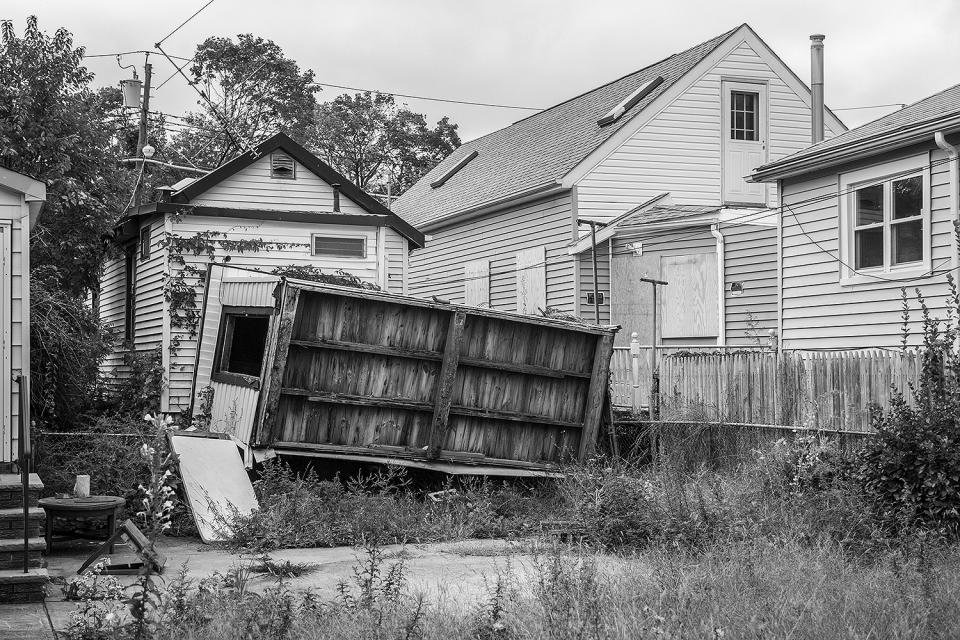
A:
(254, 90)
(54, 128)
(374, 142)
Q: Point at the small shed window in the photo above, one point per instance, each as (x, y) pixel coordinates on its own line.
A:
(243, 342)
(145, 243)
(339, 247)
(282, 166)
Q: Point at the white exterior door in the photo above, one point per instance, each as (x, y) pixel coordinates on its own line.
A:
(744, 135)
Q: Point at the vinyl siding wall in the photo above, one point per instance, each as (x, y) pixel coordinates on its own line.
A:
(148, 305)
(586, 309)
(750, 257)
(679, 149)
(15, 357)
(295, 238)
(818, 311)
(438, 268)
(253, 188)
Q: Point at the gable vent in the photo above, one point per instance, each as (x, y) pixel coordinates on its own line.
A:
(452, 171)
(282, 166)
(630, 101)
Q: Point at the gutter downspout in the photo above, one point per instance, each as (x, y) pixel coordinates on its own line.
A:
(721, 284)
(952, 153)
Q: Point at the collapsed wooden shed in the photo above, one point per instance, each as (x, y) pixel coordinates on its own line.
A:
(298, 367)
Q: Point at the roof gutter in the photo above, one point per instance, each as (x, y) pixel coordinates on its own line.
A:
(854, 151)
(952, 153)
(521, 197)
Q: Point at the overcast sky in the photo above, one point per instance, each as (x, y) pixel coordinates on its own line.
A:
(523, 52)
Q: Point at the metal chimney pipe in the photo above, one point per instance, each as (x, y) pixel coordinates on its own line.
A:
(336, 196)
(816, 87)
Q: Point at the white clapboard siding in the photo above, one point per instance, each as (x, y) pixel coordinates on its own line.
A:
(253, 188)
(437, 269)
(148, 303)
(476, 275)
(819, 311)
(750, 258)
(290, 245)
(396, 247)
(603, 283)
(531, 280)
(15, 289)
(679, 149)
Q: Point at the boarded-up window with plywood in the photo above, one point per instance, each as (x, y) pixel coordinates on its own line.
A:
(531, 280)
(631, 298)
(476, 283)
(690, 300)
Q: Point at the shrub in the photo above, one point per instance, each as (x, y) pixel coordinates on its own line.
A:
(910, 470)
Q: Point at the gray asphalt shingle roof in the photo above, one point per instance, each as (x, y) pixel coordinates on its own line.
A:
(666, 213)
(541, 149)
(935, 107)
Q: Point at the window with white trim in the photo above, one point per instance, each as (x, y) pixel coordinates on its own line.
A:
(339, 246)
(886, 211)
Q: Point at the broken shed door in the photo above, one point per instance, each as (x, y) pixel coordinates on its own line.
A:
(632, 300)
(690, 300)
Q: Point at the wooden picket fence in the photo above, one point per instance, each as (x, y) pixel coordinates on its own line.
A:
(830, 390)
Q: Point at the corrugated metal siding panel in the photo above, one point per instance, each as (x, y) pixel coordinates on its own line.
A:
(248, 293)
(750, 257)
(679, 150)
(234, 409)
(252, 187)
(295, 238)
(817, 311)
(437, 269)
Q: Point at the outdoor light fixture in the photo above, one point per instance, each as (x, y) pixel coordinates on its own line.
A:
(736, 288)
(148, 151)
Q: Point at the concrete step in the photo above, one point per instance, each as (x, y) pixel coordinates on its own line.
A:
(11, 552)
(17, 586)
(12, 481)
(11, 522)
(35, 544)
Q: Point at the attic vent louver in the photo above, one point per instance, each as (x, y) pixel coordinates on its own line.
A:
(282, 166)
(449, 173)
(630, 101)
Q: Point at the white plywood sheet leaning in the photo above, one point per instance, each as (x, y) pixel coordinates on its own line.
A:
(215, 482)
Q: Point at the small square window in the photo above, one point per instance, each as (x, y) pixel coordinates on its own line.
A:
(145, 243)
(282, 166)
(243, 343)
(599, 298)
(339, 247)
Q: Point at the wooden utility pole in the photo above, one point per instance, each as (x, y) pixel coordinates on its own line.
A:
(654, 374)
(596, 283)
(144, 114)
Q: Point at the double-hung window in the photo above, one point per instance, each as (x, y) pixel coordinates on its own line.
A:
(886, 213)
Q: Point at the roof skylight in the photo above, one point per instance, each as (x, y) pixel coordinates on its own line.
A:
(630, 101)
(452, 171)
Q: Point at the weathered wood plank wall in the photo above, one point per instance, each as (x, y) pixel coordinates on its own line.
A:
(388, 376)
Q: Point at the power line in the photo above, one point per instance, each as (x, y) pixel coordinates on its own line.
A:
(125, 53)
(183, 24)
(450, 100)
(901, 105)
